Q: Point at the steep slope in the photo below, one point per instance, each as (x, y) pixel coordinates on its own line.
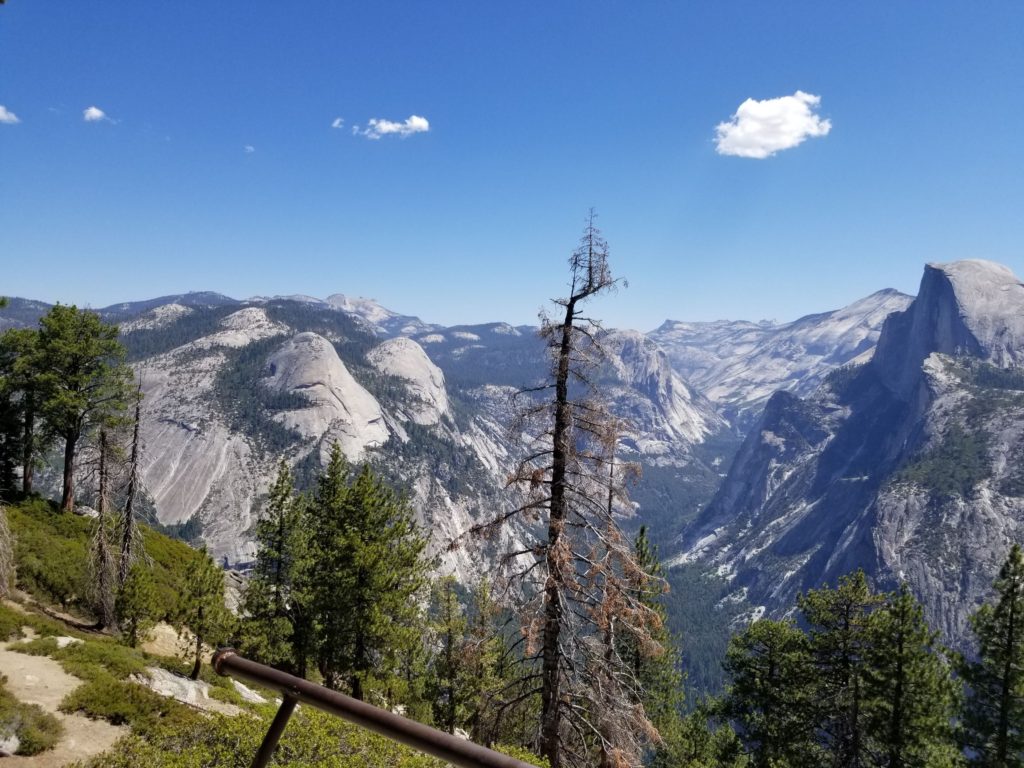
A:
(739, 365)
(337, 408)
(230, 388)
(903, 466)
(403, 358)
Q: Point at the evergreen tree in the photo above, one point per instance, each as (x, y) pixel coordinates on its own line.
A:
(82, 377)
(202, 610)
(911, 698)
(840, 644)
(490, 661)
(136, 606)
(366, 570)
(21, 440)
(449, 682)
(701, 741)
(993, 719)
(772, 695)
(276, 630)
(659, 675)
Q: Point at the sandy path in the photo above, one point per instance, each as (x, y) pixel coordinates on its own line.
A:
(41, 680)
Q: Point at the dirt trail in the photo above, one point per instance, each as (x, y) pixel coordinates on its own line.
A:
(41, 680)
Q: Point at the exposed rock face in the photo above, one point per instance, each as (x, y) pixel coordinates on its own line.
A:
(404, 358)
(340, 409)
(157, 318)
(242, 328)
(904, 467)
(739, 365)
(193, 465)
(665, 412)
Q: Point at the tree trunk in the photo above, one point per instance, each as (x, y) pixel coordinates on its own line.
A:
(1003, 733)
(28, 445)
(896, 724)
(67, 499)
(199, 651)
(128, 519)
(551, 711)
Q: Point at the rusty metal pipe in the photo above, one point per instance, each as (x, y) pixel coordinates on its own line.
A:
(452, 749)
(266, 750)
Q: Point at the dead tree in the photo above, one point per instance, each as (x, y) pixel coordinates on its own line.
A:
(578, 577)
(7, 562)
(128, 529)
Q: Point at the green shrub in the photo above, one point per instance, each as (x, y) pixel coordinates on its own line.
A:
(311, 738)
(11, 623)
(124, 703)
(36, 730)
(51, 551)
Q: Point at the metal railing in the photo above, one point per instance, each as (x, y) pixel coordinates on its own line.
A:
(294, 690)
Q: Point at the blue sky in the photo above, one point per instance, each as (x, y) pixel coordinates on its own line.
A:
(536, 112)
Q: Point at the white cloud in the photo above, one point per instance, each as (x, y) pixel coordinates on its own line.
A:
(338, 122)
(94, 115)
(759, 129)
(378, 127)
(249, 149)
(7, 117)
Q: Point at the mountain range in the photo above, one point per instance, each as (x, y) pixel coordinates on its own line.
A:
(780, 455)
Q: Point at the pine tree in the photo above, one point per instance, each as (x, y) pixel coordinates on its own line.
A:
(21, 440)
(910, 697)
(277, 628)
(449, 672)
(840, 644)
(136, 606)
(772, 695)
(83, 380)
(366, 570)
(490, 659)
(993, 719)
(659, 675)
(202, 611)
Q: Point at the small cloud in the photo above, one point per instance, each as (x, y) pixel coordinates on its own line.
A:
(94, 115)
(377, 128)
(759, 129)
(7, 117)
(338, 122)
(249, 149)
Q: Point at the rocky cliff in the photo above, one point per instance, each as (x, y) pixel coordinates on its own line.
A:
(905, 466)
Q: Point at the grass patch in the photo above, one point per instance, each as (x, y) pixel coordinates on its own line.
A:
(12, 621)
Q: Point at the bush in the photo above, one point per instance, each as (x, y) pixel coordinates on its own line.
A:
(11, 623)
(124, 703)
(36, 730)
(311, 738)
(51, 550)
